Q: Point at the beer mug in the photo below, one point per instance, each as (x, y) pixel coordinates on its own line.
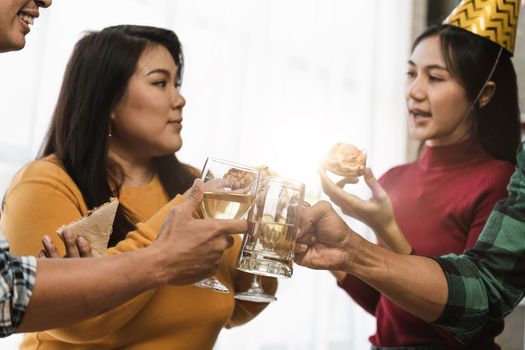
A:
(268, 245)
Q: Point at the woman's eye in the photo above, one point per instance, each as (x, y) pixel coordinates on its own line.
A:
(411, 74)
(161, 83)
(436, 79)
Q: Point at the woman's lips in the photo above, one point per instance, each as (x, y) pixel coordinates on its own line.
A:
(177, 123)
(420, 119)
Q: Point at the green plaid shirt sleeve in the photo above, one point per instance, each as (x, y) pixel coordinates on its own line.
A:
(487, 281)
(17, 278)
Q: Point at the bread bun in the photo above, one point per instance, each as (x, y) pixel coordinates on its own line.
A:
(264, 170)
(345, 160)
(96, 226)
(239, 179)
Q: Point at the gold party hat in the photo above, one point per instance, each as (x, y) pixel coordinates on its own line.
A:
(495, 20)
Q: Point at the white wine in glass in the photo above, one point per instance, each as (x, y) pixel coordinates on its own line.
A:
(219, 205)
(229, 192)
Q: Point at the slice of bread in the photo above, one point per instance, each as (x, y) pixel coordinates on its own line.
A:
(96, 226)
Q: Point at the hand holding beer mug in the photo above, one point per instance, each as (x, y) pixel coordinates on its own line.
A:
(229, 191)
(268, 246)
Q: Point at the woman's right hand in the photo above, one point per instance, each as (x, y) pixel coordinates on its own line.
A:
(377, 212)
(76, 247)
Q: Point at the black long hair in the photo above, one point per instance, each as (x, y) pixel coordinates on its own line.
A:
(470, 58)
(95, 80)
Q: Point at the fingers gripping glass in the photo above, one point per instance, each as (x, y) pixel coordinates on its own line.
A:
(229, 191)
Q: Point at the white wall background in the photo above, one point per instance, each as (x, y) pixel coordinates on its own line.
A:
(266, 81)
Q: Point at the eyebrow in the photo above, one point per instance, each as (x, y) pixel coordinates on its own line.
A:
(159, 70)
(432, 66)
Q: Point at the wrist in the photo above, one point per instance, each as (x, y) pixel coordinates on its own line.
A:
(364, 260)
(392, 238)
(353, 248)
(386, 229)
(152, 263)
(339, 276)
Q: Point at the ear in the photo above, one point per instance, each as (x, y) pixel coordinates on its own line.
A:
(488, 92)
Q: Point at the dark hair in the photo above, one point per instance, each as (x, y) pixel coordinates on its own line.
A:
(95, 80)
(470, 58)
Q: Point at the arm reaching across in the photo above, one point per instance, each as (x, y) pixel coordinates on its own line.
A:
(187, 250)
(415, 283)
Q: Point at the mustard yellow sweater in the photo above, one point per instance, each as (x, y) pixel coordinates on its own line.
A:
(42, 197)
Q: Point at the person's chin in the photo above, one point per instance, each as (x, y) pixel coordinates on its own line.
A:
(173, 148)
(418, 133)
(15, 45)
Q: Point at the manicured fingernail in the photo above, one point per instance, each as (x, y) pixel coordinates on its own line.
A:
(47, 239)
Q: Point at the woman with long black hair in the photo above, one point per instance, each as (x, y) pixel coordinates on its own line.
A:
(114, 132)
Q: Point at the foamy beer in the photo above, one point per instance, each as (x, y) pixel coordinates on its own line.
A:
(268, 246)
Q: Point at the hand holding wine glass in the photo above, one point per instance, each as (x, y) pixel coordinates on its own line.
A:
(229, 191)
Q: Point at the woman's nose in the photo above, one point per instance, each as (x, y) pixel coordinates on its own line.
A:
(178, 101)
(415, 89)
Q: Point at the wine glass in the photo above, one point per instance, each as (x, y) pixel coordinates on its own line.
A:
(229, 191)
(255, 293)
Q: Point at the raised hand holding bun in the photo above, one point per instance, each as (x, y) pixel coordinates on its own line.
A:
(345, 160)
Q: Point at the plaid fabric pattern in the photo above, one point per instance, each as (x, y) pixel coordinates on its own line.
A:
(17, 278)
(488, 281)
